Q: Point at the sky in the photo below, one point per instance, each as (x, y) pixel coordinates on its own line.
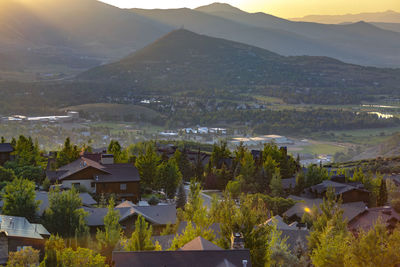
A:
(281, 8)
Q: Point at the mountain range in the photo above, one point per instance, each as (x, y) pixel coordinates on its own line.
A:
(388, 16)
(75, 35)
(183, 60)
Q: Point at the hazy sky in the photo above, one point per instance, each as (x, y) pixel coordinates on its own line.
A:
(282, 8)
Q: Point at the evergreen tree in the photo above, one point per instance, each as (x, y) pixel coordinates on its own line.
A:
(141, 237)
(169, 177)
(276, 185)
(220, 152)
(115, 148)
(111, 235)
(383, 194)
(19, 199)
(6, 175)
(181, 198)
(65, 215)
(300, 183)
(147, 163)
(199, 168)
(68, 154)
(3, 140)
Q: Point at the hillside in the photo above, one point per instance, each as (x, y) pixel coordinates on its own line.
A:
(87, 31)
(183, 60)
(388, 16)
(388, 148)
(359, 43)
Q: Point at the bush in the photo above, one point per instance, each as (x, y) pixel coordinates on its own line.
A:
(153, 201)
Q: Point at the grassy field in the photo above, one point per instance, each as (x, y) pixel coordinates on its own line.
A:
(316, 147)
(359, 137)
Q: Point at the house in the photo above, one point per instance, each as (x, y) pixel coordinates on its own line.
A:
(349, 192)
(289, 183)
(5, 152)
(294, 233)
(197, 253)
(43, 197)
(304, 205)
(103, 177)
(199, 243)
(366, 220)
(17, 233)
(158, 216)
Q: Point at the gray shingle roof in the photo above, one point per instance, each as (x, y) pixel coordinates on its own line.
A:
(21, 227)
(183, 258)
(6, 147)
(79, 165)
(119, 173)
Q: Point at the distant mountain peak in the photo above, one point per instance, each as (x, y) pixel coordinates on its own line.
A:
(219, 7)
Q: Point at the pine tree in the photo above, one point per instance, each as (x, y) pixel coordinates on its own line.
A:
(112, 231)
(276, 185)
(383, 194)
(147, 163)
(181, 199)
(141, 237)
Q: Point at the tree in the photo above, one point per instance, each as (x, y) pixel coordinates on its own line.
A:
(147, 163)
(199, 168)
(315, 175)
(141, 237)
(383, 194)
(53, 247)
(83, 257)
(68, 154)
(190, 233)
(184, 164)
(26, 152)
(64, 216)
(181, 198)
(377, 247)
(6, 175)
(111, 235)
(220, 152)
(300, 183)
(169, 177)
(115, 148)
(19, 199)
(25, 257)
(46, 184)
(276, 185)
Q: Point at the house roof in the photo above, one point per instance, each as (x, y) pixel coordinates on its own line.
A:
(20, 227)
(182, 258)
(87, 200)
(339, 188)
(79, 165)
(199, 243)
(280, 224)
(119, 173)
(350, 210)
(369, 217)
(157, 215)
(164, 240)
(294, 237)
(288, 183)
(6, 148)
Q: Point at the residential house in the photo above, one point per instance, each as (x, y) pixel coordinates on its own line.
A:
(158, 216)
(369, 217)
(197, 253)
(17, 233)
(304, 205)
(104, 177)
(349, 192)
(5, 152)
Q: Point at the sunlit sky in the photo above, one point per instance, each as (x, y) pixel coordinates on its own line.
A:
(281, 8)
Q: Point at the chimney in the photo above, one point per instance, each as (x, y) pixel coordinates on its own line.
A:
(244, 262)
(107, 159)
(237, 241)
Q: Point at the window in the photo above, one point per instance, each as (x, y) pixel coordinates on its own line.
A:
(122, 186)
(76, 185)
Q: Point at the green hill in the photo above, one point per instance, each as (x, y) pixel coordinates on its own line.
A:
(184, 61)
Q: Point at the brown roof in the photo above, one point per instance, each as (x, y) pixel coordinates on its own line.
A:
(79, 165)
(182, 258)
(369, 217)
(199, 243)
(119, 173)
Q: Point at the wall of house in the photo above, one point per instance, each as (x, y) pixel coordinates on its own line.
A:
(5, 156)
(3, 248)
(85, 183)
(15, 242)
(131, 193)
(354, 196)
